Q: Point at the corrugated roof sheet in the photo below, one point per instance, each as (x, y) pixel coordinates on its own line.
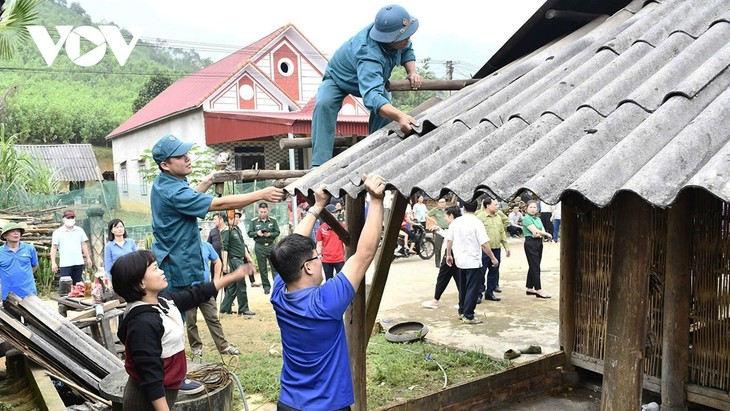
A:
(639, 102)
(70, 162)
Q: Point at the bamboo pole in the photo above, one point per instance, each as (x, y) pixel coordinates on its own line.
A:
(355, 315)
(626, 322)
(253, 175)
(306, 142)
(429, 85)
(677, 286)
(568, 277)
(383, 260)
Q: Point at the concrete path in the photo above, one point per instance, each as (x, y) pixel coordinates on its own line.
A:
(515, 322)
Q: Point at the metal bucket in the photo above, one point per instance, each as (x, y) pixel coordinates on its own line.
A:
(64, 286)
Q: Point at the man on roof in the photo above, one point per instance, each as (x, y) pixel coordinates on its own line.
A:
(361, 67)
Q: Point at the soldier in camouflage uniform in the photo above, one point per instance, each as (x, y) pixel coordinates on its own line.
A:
(263, 230)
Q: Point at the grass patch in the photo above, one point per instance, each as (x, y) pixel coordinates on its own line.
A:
(397, 372)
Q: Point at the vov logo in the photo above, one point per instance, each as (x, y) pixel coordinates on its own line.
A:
(100, 36)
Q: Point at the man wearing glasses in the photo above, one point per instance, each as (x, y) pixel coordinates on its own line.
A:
(361, 67)
(316, 370)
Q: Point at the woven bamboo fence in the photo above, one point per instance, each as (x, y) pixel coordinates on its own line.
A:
(709, 355)
(709, 351)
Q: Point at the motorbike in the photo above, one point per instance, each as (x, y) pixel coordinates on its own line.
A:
(422, 242)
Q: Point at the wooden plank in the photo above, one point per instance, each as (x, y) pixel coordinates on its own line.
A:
(355, 315)
(306, 142)
(568, 277)
(383, 260)
(251, 175)
(486, 392)
(65, 334)
(429, 85)
(627, 304)
(677, 286)
(708, 396)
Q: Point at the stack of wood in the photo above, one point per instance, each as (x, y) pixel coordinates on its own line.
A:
(54, 343)
(38, 224)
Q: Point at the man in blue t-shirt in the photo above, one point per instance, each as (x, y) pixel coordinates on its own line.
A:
(316, 370)
(18, 262)
(176, 208)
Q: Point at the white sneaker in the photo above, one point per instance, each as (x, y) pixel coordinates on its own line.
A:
(429, 304)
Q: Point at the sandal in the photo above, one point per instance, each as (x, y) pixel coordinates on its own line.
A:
(533, 349)
(231, 350)
(511, 354)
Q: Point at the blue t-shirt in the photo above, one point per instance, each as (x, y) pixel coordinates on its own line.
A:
(112, 251)
(361, 67)
(176, 208)
(16, 270)
(209, 256)
(316, 372)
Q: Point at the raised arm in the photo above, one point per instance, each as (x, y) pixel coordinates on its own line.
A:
(367, 246)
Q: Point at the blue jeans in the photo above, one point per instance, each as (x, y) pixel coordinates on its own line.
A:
(490, 274)
(469, 280)
(324, 120)
(556, 229)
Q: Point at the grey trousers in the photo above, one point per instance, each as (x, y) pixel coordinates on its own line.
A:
(135, 399)
(210, 314)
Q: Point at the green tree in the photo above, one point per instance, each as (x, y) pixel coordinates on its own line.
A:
(202, 159)
(156, 84)
(408, 100)
(13, 18)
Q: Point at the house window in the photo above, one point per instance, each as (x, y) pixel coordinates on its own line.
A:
(142, 184)
(249, 157)
(286, 67)
(123, 177)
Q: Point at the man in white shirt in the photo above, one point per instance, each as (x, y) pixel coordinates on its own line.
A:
(70, 241)
(465, 241)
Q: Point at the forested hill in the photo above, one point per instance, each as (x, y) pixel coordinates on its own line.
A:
(68, 103)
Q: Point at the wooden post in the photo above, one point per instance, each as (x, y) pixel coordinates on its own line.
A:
(383, 260)
(677, 286)
(623, 370)
(568, 276)
(357, 337)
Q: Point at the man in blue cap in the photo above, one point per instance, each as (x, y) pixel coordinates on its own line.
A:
(176, 208)
(361, 67)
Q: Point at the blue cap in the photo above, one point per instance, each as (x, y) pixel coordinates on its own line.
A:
(169, 146)
(392, 24)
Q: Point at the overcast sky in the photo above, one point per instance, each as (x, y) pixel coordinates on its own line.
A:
(467, 32)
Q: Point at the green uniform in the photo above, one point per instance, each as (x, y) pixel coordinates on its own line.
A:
(263, 246)
(232, 242)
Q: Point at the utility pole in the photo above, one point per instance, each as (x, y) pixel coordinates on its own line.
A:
(449, 71)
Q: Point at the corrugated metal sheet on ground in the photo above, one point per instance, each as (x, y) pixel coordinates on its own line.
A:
(69, 162)
(638, 101)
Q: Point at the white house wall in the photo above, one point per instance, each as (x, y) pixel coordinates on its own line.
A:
(228, 101)
(189, 127)
(309, 82)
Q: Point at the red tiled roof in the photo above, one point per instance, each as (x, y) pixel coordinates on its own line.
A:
(191, 91)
